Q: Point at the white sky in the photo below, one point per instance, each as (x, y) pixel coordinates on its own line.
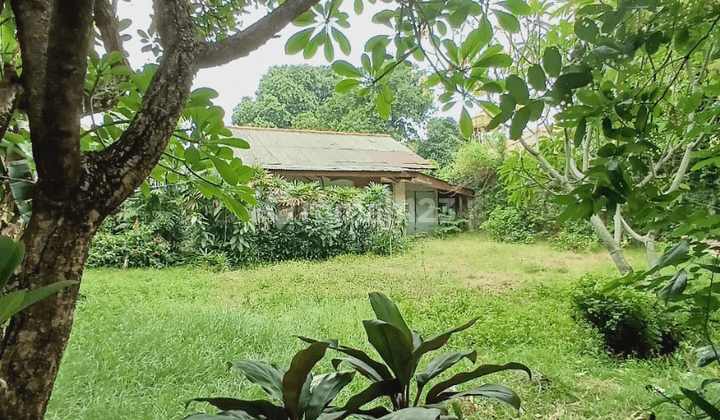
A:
(241, 77)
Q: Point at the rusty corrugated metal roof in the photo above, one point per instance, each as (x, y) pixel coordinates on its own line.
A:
(325, 151)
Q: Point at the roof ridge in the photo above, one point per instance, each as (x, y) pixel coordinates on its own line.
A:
(297, 130)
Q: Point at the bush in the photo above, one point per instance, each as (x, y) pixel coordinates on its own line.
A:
(631, 323)
(137, 247)
(506, 225)
(575, 236)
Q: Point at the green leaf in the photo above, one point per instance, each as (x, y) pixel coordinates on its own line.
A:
(702, 403)
(707, 355)
(497, 60)
(675, 287)
(537, 78)
(386, 310)
(516, 7)
(490, 391)
(378, 56)
(439, 340)
(343, 68)
(552, 61)
(11, 255)
(383, 107)
(414, 413)
(517, 88)
(267, 376)
(486, 31)
(392, 345)
(371, 393)
(466, 125)
(342, 41)
(10, 305)
(325, 391)
(507, 21)
(254, 409)
(569, 81)
(36, 295)
(376, 370)
(329, 51)
(297, 375)
(226, 171)
(674, 254)
(586, 29)
(580, 132)
(358, 6)
(346, 85)
(434, 397)
(297, 42)
(145, 189)
(440, 364)
(519, 122)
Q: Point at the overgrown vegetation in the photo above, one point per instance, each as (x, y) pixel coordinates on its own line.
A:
(291, 221)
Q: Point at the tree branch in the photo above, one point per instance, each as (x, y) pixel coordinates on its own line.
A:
(57, 148)
(640, 238)
(107, 23)
(685, 162)
(572, 166)
(257, 34)
(548, 167)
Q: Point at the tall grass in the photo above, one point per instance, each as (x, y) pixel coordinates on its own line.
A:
(146, 341)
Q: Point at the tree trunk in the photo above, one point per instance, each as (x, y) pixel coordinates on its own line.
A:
(650, 253)
(57, 241)
(612, 247)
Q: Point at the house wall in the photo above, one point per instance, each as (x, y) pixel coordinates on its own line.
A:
(422, 207)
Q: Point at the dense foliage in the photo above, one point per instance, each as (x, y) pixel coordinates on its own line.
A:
(303, 97)
(291, 221)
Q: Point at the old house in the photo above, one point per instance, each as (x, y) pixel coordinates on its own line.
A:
(354, 159)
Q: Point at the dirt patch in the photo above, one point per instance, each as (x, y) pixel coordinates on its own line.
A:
(493, 283)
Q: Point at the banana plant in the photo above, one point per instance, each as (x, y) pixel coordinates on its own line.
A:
(11, 255)
(401, 350)
(292, 387)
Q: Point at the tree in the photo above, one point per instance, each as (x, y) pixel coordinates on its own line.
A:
(633, 95)
(303, 97)
(443, 141)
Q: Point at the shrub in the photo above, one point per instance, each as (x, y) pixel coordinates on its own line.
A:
(137, 247)
(506, 225)
(575, 236)
(631, 323)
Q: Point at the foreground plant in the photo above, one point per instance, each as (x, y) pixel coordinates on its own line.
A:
(402, 349)
(293, 387)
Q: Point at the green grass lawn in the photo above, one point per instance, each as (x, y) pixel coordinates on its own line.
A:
(146, 341)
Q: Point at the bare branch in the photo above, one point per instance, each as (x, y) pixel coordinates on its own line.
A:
(569, 159)
(586, 150)
(640, 238)
(107, 22)
(685, 162)
(548, 167)
(257, 34)
(617, 219)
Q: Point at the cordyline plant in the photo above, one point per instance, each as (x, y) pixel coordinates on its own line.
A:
(399, 347)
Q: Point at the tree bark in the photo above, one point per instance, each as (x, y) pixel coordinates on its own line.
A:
(606, 238)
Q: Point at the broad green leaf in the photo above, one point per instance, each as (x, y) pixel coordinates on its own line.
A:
(386, 310)
(305, 19)
(36, 295)
(706, 406)
(675, 287)
(439, 340)
(486, 30)
(490, 391)
(466, 126)
(387, 94)
(519, 122)
(343, 68)
(342, 41)
(507, 21)
(358, 6)
(674, 254)
(145, 189)
(392, 345)
(707, 355)
(10, 305)
(311, 49)
(552, 61)
(267, 376)
(472, 44)
(536, 108)
(297, 42)
(329, 51)
(586, 29)
(497, 60)
(433, 396)
(255, 409)
(517, 88)
(233, 142)
(296, 376)
(580, 132)
(11, 255)
(440, 364)
(569, 81)
(381, 371)
(516, 7)
(371, 393)
(346, 85)
(378, 56)
(226, 171)
(325, 391)
(413, 413)
(536, 77)
(192, 156)
(383, 107)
